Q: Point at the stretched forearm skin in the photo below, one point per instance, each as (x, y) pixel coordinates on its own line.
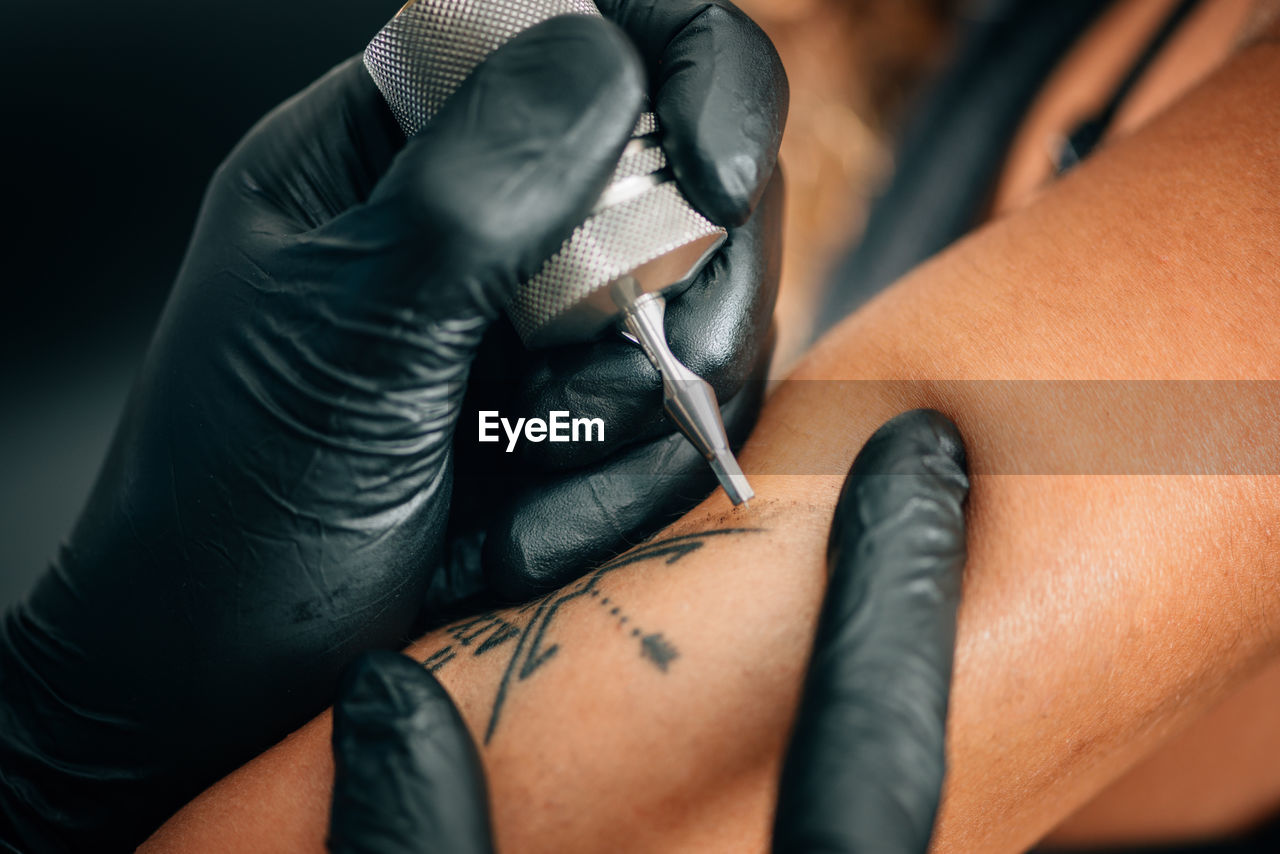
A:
(1101, 613)
(1156, 261)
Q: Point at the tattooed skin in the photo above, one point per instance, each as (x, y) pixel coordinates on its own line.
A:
(527, 635)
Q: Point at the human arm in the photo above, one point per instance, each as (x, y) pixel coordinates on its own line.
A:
(721, 96)
(275, 498)
(1103, 609)
(277, 495)
(865, 764)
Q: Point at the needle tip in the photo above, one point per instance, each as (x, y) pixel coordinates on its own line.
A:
(731, 478)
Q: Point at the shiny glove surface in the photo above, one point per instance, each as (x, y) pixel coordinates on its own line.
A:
(865, 766)
(864, 770)
(408, 778)
(720, 94)
(275, 500)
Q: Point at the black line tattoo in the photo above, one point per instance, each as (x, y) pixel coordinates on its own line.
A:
(535, 646)
(439, 658)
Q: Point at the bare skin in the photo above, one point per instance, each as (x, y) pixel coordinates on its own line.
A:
(1089, 74)
(1214, 779)
(1103, 612)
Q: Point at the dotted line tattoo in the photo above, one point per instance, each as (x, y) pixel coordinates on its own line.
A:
(654, 647)
(532, 626)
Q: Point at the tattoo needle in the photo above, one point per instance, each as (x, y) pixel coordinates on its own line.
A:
(689, 400)
(642, 240)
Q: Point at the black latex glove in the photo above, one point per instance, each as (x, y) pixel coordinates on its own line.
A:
(277, 492)
(865, 766)
(720, 94)
(864, 770)
(407, 778)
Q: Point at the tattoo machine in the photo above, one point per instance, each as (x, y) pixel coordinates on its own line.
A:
(642, 243)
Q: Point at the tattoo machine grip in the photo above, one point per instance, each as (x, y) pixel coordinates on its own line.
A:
(642, 242)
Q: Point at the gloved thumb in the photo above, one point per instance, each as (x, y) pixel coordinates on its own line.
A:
(865, 767)
(490, 188)
(408, 777)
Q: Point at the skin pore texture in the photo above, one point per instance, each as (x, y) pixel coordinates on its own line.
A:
(1118, 586)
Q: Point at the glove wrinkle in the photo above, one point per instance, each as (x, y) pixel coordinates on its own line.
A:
(865, 767)
(408, 775)
(528, 552)
(721, 328)
(722, 98)
(650, 475)
(301, 186)
(275, 498)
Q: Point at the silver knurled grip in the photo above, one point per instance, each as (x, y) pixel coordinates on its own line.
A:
(642, 229)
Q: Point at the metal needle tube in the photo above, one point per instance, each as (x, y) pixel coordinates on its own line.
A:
(642, 240)
(689, 400)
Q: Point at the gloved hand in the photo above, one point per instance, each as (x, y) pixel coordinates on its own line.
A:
(276, 495)
(865, 766)
(864, 770)
(407, 774)
(720, 94)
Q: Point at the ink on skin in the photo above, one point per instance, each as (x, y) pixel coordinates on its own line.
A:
(672, 548)
(498, 638)
(534, 648)
(659, 650)
(439, 658)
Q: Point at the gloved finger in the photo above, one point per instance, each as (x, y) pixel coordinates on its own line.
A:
(408, 776)
(719, 328)
(865, 767)
(721, 97)
(316, 154)
(489, 189)
(560, 526)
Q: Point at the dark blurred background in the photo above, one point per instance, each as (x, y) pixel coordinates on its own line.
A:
(115, 115)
